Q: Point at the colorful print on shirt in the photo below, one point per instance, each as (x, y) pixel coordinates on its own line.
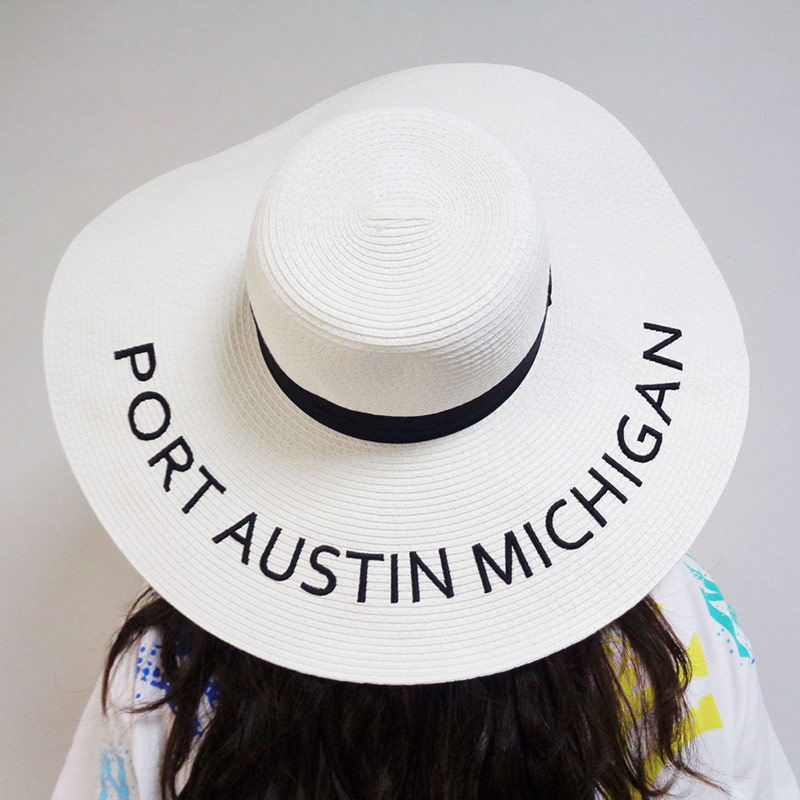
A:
(149, 672)
(721, 612)
(116, 766)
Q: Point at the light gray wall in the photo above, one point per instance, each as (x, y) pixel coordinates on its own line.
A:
(97, 98)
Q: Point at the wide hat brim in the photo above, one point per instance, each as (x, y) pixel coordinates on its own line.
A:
(165, 266)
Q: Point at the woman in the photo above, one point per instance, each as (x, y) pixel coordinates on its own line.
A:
(213, 721)
(410, 459)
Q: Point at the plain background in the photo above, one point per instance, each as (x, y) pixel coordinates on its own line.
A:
(98, 98)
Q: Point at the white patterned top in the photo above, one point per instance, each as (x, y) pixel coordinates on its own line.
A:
(116, 757)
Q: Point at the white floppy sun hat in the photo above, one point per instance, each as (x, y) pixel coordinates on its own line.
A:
(430, 381)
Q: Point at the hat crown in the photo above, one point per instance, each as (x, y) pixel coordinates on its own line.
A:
(398, 261)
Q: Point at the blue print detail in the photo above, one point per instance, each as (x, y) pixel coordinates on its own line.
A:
(148, 670)
(111, 780)
(208, 704)
(211, 693)
(725, 615)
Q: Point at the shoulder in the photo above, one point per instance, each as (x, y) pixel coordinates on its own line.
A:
(720, 658)
(730, 726)
(722, 661)
(139, 679)
(115, 754)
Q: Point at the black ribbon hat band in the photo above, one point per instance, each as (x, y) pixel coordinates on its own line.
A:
(397, 430)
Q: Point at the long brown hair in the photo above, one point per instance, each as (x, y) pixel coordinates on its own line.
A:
(562, 728)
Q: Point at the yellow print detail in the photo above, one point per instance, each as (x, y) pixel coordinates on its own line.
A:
(703, 717)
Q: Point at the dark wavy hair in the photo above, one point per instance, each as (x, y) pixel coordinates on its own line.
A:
(594, 717)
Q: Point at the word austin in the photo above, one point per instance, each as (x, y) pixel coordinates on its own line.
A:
(509, 558)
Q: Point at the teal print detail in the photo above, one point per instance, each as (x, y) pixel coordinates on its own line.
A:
(726, 618)
(109, 782)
